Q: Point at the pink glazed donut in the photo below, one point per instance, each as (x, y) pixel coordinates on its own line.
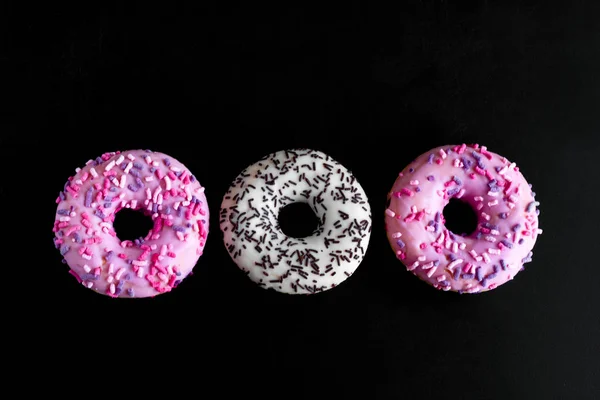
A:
(506, 209)
(151, 182)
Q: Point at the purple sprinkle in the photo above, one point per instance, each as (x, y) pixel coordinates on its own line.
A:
(178, 173)
(129, 261)
(123, 166)
(452, 192)
(77, 237)
(451, 257)
(139, 182)
(177, 282)
(492, 183)
(130, 292)
(478, 274)
(495, 268)
(430, 223)
(134, 172)
(113, 189)
(475, 155)
(148, 151)
(507, 243)
(64, 250)
(498, 169)
(430, 178)
(88, 277)
(203, 221)
(167, 162)
(521, 241)
(137, 165)
(516, 227)
(530, 185)
(456, 274)
(107, 205)
(109, 255)
(63, 261)
(127, 276)
(537, 211)
(444, 283)
(478, 236)
(400, 243)
(437, 216)
(188, 225)
(132, 187)
(533, 194)
(452, 236)
(63, 212)
(120, 284)
(178, 273)
(467, 276)
(192, 178)
(154, 207)
(118, 291)
(179, 212)
(491, 276)
(60, 233)
(178, 228)
(417, 189)
(152, 169)
(503, 215)
(457, 180)
(62, 196)
(167, 210)
(436, 263)
(94, 163)
(99, 214)
(480, 164)
(503, 264)
(483, 282)
(437, 227)
(56, 245)
(411, 170)
(88, 197)
(430, 158)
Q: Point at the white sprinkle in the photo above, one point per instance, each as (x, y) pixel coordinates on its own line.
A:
(200, 189)
(133, 203)
(79, 182)
(156, 192)
(413, 266)
(414, 182)
(112, 288)
(140, 272)
(120, 160)
(431, 272)
(155, 163)
(485, 216)
(503, 170)
(162, 277)
(167, 182)
(460, 193)
(448, 243)
(478, 198)
(111, 268)
(440, 238)
(115, 181)
(131, 157)
(427, 266)
(454, 263)
(120, 196)
(86, 268)
(443, 154)
(510, 205)
(110, 165)
(93, 172)
(462, 246)
(89, 284)
(421, 258)
(128, 168)
(85, 256)
(490, 238)
(104, 224)
(174, 168)
(185, 203)
(428, 211)
(176, 205)
(180, 236)
(153, 246)
(159, 201)
(120, 272)
(473, 253)
(148, 193)
(429, 228)
(149, 208)
(390, 213)
(139, 263)
(493, 194)
(440, 193)
(64, 219)
(455, 247)
(149, 178)
(413, 209)
(486, 258)
(441, 278)
(494, 232)
(539, 231)
(493, 251)
(148, 160)
(396, 235)
(77, 170)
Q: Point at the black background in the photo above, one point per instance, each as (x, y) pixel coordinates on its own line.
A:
(217, 87)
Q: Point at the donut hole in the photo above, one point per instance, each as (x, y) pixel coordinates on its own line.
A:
(297, 220)
(132, 224)
(460, 218)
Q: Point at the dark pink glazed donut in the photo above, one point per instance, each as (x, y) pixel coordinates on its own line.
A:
(151, 182)
(506, 210)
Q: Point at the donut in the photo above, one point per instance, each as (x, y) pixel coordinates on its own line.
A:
(472, 262)
(153, 183)
(253, 236)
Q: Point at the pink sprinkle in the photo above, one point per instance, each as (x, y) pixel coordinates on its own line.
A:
(420, 215)
(441, 278)
(443, 154)
(454, 263)
(472, 175)
(473, 254)
(462, 148)
(467, 268)
(409, 218)
(438, 161)
(407, 192)
(479, 170)
(422, 246)
(171, 254)
(122, 256)
(172, 175)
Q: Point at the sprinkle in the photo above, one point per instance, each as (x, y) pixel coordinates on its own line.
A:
(133, 187)
(131, 157)
(430, 158)
(443, 154)
(486, 258)
(454, 263)
(430, 178)
(532, 205)
(431, 272)
(110, 166)
(457, 180)
(414, 182)
(413, 266)
(400, 243)
(390, 213)
(396, 235)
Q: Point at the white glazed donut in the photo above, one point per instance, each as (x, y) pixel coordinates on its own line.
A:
(252, 235)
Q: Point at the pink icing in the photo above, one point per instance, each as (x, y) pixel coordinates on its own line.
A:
(147, 181)
(506, 210)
